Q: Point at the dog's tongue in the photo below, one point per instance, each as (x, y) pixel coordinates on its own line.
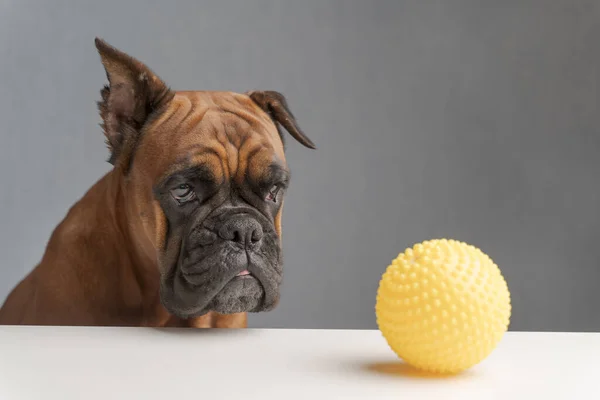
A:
(244, 272)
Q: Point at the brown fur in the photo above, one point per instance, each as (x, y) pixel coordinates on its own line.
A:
(101, 264)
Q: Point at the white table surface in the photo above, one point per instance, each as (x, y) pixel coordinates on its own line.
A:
(142, 363)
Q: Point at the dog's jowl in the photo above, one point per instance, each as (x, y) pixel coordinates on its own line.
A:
(185, 230)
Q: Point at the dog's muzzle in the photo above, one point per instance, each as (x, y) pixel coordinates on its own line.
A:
(228, 263)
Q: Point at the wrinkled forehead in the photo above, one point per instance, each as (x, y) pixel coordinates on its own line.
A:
(223, 131)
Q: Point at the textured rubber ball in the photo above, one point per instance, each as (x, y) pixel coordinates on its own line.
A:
(443, 306)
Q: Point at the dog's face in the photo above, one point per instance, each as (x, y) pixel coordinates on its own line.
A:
(220, 188)
(206, 175)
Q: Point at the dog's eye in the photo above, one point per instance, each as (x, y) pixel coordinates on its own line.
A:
(272, 195)
(183, 193)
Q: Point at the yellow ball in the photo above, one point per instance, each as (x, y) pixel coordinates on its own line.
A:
(443, 306)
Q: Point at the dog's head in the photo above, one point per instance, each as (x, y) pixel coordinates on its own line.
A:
(205, 176)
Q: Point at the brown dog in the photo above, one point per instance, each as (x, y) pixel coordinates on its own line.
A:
(185, 230)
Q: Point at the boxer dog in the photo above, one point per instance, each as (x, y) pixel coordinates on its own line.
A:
(185, 230)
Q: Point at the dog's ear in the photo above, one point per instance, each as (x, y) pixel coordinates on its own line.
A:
(274, 104)
(132, 94)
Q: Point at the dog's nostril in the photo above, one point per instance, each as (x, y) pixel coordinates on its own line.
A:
(237, 237)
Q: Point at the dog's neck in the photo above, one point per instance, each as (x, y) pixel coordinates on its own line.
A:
(138, 252)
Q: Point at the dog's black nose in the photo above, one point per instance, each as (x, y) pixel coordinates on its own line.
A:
(242, 230)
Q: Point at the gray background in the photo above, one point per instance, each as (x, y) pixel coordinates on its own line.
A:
(476, 120)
